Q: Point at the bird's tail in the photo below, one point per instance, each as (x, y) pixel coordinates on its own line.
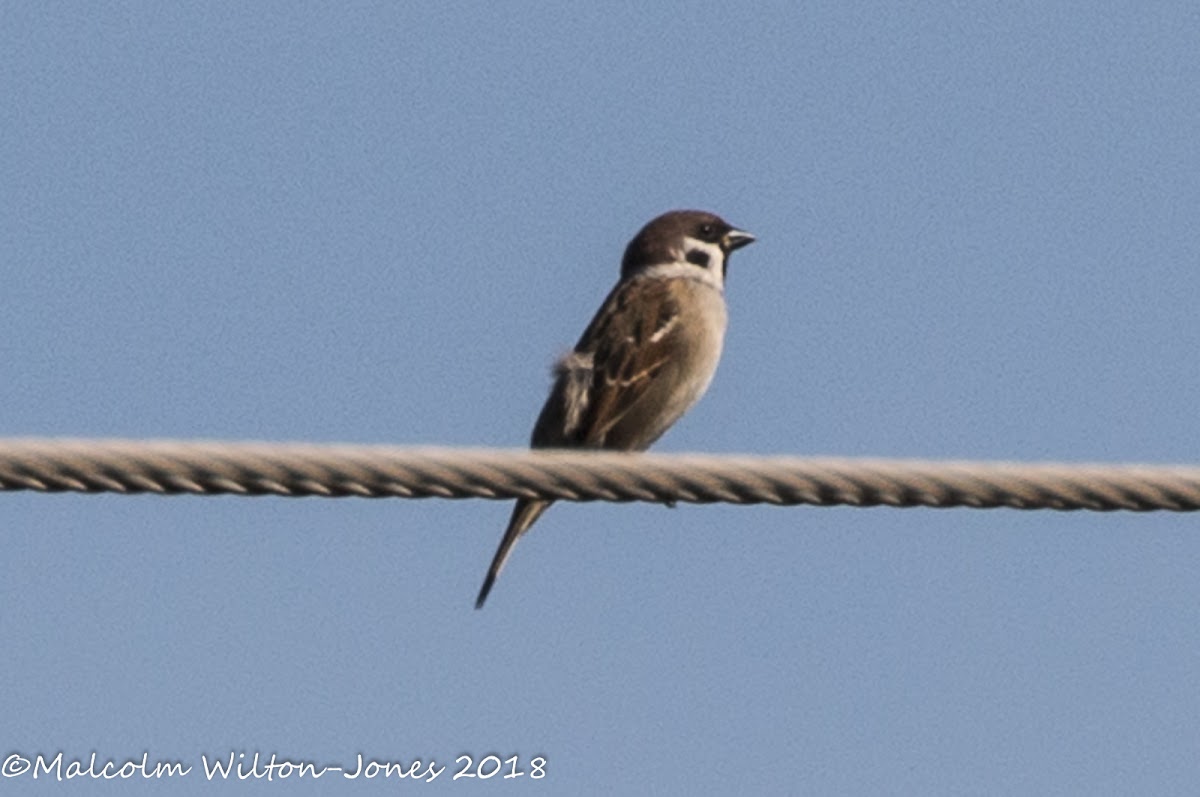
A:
(523, 516)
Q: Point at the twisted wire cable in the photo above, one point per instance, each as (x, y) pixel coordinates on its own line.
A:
(297, 469)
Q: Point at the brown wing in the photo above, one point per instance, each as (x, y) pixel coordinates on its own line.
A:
(629, 347)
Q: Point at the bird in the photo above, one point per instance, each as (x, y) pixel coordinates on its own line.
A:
(647, 356)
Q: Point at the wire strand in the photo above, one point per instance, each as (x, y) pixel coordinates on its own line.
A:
(297, 469)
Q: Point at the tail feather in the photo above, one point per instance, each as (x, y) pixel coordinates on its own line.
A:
(525, 513)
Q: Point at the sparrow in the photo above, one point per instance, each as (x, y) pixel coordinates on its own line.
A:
(647, 356)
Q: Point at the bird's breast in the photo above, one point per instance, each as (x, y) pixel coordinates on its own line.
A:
(700, 341)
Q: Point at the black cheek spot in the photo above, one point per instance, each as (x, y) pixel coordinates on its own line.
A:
(698, 257)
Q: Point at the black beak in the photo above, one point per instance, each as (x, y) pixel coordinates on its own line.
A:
(736, 239)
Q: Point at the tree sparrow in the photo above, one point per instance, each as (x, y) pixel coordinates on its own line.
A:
(646, 358)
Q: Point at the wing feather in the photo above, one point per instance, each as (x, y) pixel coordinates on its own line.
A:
(630, 346)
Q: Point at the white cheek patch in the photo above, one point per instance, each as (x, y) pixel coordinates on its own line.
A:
(709, 254)
(715, 255)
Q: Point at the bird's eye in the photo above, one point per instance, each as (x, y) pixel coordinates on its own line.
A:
(707, 230)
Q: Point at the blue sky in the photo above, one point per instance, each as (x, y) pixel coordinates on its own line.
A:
(381, 223)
